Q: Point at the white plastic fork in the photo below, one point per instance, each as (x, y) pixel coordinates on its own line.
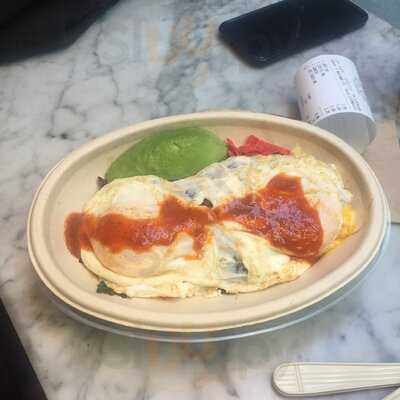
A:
(314, 379)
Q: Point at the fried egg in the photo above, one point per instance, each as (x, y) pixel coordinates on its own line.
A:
(232, 259)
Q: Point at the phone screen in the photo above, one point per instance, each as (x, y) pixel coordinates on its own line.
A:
(287, 27)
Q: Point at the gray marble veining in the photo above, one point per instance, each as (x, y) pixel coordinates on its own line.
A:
(145, 59)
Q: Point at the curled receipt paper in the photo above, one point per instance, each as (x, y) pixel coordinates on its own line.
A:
(330, 95)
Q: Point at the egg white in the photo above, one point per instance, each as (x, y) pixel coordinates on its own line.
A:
(233, 260)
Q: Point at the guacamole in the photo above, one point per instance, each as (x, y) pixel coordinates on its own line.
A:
(171, 155)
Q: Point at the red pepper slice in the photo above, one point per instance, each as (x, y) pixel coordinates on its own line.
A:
(233, 150)
(253, 146)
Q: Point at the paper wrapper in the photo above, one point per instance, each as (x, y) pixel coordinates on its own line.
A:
(383, 155)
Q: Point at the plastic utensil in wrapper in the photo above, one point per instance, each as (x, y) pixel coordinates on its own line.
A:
(331, 96)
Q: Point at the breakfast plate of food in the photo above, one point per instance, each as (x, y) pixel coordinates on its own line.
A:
(216, 224)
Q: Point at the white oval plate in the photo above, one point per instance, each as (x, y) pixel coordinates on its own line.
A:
(71, 182)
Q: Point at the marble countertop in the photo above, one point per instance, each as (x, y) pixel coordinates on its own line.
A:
(146, 59)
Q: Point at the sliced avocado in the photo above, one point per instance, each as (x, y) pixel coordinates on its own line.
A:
(171, 155)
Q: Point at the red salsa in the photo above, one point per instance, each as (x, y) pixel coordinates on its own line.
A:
(75, 237)
(279, 212)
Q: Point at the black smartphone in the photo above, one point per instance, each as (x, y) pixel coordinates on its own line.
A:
(279, 30)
